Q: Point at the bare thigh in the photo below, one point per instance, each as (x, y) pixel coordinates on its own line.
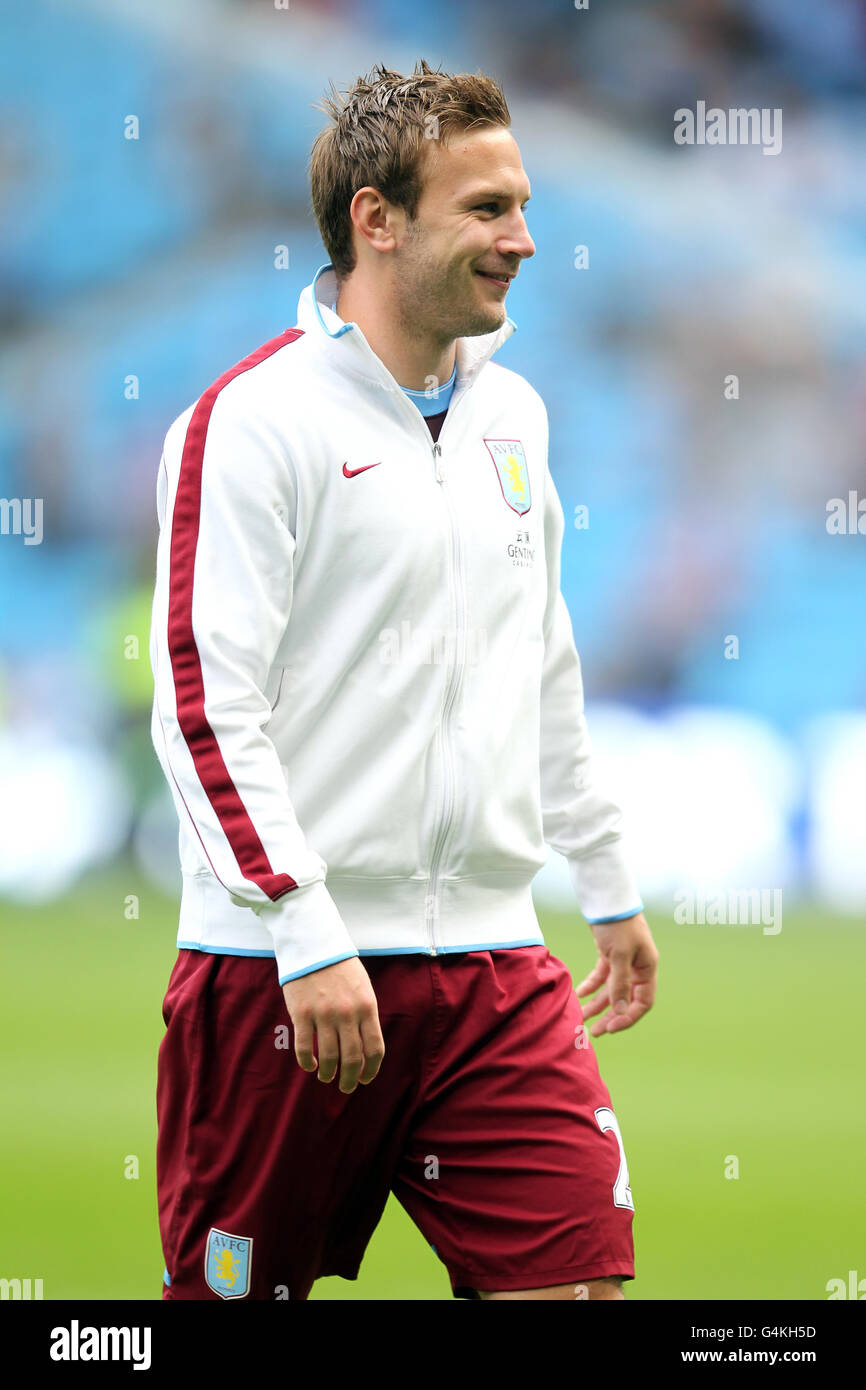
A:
(588, 1289)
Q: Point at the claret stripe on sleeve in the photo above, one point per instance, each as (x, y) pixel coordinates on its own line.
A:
(185, 662)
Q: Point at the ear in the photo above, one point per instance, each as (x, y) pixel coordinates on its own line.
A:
(375, 219)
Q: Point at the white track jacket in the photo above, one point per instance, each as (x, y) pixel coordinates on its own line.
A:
(368, 703)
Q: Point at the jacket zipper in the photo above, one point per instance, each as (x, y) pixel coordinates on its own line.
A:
(454, 681)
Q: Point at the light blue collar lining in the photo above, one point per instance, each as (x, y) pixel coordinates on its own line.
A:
(428, 404)
(431, 402)
(335, 332)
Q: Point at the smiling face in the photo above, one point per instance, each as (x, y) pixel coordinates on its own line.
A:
(453, 264)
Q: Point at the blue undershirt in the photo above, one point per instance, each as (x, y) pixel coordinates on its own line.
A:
(429, 402)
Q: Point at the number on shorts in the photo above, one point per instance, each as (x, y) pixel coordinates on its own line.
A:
(621, 1191)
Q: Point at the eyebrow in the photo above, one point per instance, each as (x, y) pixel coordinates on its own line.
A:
(487, 196)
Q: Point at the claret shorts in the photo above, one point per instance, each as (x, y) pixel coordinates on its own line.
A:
(488, 1121)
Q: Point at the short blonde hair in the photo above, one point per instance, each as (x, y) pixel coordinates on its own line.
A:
(377, 137)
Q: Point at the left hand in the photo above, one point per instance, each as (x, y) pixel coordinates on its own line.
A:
(627, 967)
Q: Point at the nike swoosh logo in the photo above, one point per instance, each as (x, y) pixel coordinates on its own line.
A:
(353, 472)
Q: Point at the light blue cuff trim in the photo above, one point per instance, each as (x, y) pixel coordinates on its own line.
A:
(319, 965)
(619, 918)
(166, 1279)
(223, 950)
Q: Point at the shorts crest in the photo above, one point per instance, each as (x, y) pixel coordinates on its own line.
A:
(227, 1263)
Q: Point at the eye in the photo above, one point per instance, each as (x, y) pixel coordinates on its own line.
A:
(483, 206)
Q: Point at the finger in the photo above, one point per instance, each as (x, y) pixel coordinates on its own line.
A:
(351, 1056)
(304, 1044)
(374, 1049)
(645, 979)
(596, 1005)
(641, 1003)
(610, 1023)
(619, 984)
(590, 984)
(596, 976)
(615, 1023)
(329, 1051)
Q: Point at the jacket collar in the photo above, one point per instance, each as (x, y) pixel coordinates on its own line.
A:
(349, 350)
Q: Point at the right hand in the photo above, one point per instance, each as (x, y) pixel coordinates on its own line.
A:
(337, 1005)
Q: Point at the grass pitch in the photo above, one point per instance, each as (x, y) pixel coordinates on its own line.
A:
(731, 1064)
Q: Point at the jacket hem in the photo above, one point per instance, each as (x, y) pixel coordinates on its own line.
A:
(370, 951)
(381, 916)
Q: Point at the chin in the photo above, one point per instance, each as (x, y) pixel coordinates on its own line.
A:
(481, 323)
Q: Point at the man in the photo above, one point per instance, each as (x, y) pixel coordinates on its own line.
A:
(365, 673)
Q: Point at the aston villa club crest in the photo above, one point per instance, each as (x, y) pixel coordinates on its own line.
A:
(227, 1262)
(513, 474)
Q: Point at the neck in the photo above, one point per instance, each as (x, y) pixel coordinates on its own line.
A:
(411, 357)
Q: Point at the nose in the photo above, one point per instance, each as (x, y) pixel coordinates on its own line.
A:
(515, 239)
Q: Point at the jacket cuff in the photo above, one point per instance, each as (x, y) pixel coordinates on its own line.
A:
(603, 883)
(307, 930)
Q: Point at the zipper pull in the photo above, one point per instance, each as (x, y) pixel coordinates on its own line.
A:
(437, 454)
(429, 913)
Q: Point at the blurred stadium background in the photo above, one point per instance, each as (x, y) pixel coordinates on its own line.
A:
(134, 270)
